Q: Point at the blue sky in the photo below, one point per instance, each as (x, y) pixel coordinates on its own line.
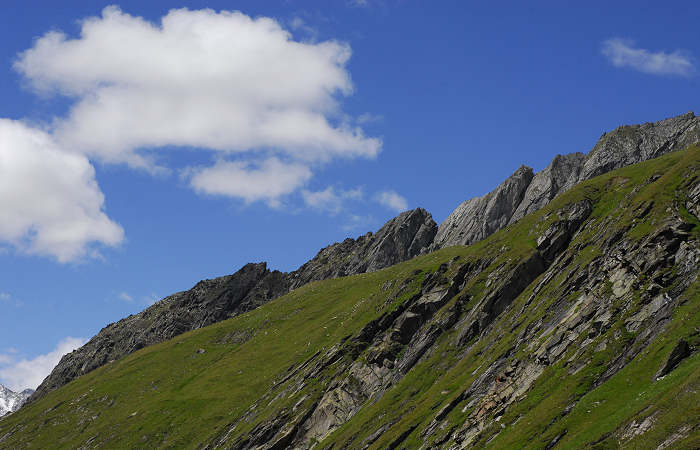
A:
(159, 148)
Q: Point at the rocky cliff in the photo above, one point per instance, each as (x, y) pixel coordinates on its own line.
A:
(522, 193)
(211, 301)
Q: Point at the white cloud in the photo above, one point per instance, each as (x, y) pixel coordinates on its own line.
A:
(51, 204)
(125, 297)
(623, 53)
(9, 300)
(356, 221)
(267, 180)
(240, 88)
(391, 200)
(369, 118)
(29, 373)
(221, 81)
(329, 199)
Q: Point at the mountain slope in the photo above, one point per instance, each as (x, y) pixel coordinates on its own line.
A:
(211, 301)
(577, 325)
(11, 401)
(405, 236)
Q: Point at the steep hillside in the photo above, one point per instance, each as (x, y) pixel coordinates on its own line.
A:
(578, 325)
(211, 301)
(403, 237)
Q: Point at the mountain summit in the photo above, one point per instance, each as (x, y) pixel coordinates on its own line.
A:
(11, 401)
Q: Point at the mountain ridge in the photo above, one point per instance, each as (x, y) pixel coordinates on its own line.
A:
(401, 238)
(213, 300)
(575, 327)
(523, 192)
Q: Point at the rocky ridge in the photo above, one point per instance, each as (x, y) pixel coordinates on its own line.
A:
(577, 327)
(11, 401)
(523, 193)
(407, 235)
(211, 301)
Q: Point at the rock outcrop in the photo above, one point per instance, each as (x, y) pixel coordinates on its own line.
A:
(561, 174)
(211, 301)
(475, 219)
(400, 239)
(522, 193)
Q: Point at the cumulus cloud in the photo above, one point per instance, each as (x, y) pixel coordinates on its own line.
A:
(263, 105)
(392, 200)
(624, 53)
(51, 204)
(220, 81)
(29, 373)
(125, 297)
(331, 200)
(267, 180)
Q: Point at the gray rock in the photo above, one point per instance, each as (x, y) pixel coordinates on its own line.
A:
(523, 193)
(562, 173)
(400, 239)
(480, 217)
(636, 143)
(209, 301)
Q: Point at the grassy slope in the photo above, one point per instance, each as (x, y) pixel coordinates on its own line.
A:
(171, 395)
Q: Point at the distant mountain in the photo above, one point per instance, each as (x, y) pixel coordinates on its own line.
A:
(11, 401)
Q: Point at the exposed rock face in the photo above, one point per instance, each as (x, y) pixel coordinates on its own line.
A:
(400, 239)
(403, 237)
(11, 401)
(480, 217)
(632, 144)
(562, 173)
(522, 194)
(211, 301)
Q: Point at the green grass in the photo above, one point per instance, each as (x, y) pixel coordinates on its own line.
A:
(171, 395)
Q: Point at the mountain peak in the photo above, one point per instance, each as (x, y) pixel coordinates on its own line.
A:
(11, 401)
